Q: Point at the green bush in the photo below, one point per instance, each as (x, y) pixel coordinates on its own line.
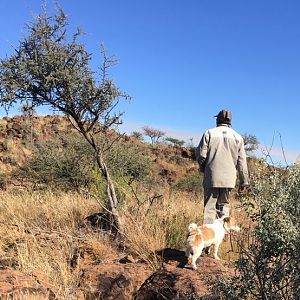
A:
(68, 163)
(65, 162)
(129, 160)
(190, 183)
(270, 267)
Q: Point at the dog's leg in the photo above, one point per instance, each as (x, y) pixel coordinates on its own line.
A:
(188, 254)
(188, 251)
(207, 250)
(195, 256)
(216, 249)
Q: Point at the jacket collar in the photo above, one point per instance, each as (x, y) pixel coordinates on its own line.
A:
(223, 124)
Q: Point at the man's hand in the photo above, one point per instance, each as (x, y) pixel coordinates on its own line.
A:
(202, 168)
(243, 188)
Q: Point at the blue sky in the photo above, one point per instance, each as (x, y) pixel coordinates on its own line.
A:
(183, 61)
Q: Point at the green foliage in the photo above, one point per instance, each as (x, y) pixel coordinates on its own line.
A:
(251, 142)
(137, 135)
(62, 163)
(175, 142)
(27, 110)
(190, 183)
(193, 296)
(68, 162)
(3, 181)
(176, 230)
(50, 68)
(128, 159)
(193, 152)
(270, 268)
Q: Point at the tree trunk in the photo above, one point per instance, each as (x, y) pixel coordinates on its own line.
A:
(110, 188)
(111, 193)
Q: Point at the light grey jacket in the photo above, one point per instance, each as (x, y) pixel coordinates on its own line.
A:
(221, 154)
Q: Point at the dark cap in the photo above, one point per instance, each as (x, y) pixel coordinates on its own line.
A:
(224, 116)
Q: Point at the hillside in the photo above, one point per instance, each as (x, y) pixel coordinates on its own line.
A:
(19, 135)
(55, 242)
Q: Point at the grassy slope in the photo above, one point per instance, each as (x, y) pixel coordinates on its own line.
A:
(39, 231)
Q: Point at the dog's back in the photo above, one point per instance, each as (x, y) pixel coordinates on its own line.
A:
(206, 235)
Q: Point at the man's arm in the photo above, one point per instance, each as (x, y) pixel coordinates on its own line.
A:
(242, 166)
(201, 151)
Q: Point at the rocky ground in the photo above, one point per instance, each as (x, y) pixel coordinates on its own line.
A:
(122, 278)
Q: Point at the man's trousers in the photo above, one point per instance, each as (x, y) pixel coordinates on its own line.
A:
(216, 204)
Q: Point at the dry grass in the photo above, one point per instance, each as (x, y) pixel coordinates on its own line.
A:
(26, 296)
(160, 224)
(164, 225)
(40, 231)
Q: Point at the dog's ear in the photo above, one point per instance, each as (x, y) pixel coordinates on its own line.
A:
(192, 227)
(226, 219)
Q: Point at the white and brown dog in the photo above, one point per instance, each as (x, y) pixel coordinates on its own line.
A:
(200, 237)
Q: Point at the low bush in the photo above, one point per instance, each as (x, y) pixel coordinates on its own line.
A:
(270, 267)
(65, 162)
(68, 163)
(190, 183)
(129, 160)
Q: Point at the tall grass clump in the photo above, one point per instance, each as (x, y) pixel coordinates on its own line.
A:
(40, 231)
(160, 224)
(270, 267)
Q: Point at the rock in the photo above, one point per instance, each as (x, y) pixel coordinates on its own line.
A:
(187, 153)
(112, 281)
(178, 281)
(131, 280)
(127, 259)
(17, 127)
(3, 147)
(17, 285)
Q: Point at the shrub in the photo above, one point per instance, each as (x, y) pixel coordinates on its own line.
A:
(3, 180)
(190, 183)
(270, 267)
(154, 134)
(68, 163)
(137, 135)
(251, 142)
(129, 160)
(175, 142)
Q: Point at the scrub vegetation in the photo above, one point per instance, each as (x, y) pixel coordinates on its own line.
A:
(71, 182)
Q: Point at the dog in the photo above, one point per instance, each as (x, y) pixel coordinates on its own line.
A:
(200, 237)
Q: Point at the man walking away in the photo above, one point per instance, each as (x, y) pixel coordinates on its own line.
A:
(220, 155)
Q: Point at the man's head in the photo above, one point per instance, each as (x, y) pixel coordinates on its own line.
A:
(224, 117)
